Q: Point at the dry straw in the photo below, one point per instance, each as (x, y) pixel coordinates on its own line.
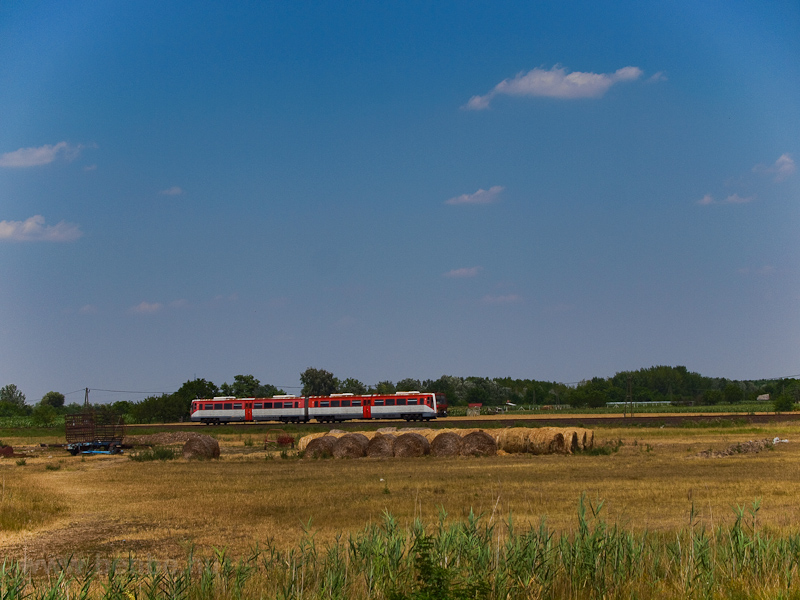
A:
(411, 445)
(351, 445)
(381, 446)
(447, 443)
(202, 447)
(478, 443)
(320, 447)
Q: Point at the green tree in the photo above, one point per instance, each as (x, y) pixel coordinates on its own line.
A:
(54, 399)
(10, 394)
(385, 387)
(408, 385)
(352, 386)
(783, 403)
(318, 382)
(713, 397)
(44, 414)
(733, 393)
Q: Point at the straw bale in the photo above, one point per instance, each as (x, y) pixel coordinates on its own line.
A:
(321, 447)
(447, 443)
(201, 447)
(386, 430)
(351, 445)
(306, 439)
(571, 440)
(513, 439)
(546, 440)
(411, 444)
(381, 446)
(478, 443)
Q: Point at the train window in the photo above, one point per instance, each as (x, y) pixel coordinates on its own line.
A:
(324, 404)
(218, 406)
(209, 406)
(378, 402)
(401, 402)
(412, 400)
(237, 407)
(267, 404)
(390, 402)
(335, 403)
(345, 403)
(356, 403)
(257, 405)
(228, 406)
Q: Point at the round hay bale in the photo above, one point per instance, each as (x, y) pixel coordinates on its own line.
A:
(201, 447)
(546, 440)
(571, 440)
(351, 445)
(446, 444)
(410, 445)
(306, 440)
(321, 447)
(381, 446)
(478, 443)
(513, 439)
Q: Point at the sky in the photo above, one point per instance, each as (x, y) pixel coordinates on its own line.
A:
(547, 190)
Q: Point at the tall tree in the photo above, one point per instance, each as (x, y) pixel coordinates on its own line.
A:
(318, 382)
(54, 399)
(352, 386)
(9, 393)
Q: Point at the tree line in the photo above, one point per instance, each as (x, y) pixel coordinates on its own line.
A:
(677, 385)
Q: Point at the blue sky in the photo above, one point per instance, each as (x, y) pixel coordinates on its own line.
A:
(385, 190)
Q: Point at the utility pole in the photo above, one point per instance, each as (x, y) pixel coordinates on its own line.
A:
(86, 399)
(629, 396)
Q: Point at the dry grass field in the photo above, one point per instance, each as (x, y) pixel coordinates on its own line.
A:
(55, 505)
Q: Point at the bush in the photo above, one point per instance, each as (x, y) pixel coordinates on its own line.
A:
(783, 403)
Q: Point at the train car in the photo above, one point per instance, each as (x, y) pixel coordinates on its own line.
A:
(411, 406)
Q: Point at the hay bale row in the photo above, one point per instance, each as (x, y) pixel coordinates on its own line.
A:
(449, 442)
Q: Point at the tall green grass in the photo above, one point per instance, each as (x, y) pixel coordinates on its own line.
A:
(476, 558)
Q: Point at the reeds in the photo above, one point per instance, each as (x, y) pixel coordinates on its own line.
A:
(473, 558)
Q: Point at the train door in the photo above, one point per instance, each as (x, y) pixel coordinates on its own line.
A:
(366, 405)
(248, 411)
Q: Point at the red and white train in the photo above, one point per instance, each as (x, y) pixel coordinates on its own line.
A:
(411, 406)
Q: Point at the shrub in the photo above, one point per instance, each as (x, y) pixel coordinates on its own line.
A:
(156, 453)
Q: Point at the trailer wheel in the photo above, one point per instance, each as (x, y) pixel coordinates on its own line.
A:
(74, 451)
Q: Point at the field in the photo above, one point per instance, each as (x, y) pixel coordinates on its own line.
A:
(649, 480)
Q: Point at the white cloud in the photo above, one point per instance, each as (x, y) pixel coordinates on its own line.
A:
(555, 83)
(508, 299)
(783, 168)
(173, 191)
(737, 199)
(656, 77)
(34, 230)
(34, 157)
(463, 273)
(480, 197)
(147, 308)
(705, 200)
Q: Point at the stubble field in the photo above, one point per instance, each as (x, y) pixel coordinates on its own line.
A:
(55, 505)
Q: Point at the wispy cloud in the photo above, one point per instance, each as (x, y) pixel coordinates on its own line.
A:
(507, 299)
(737, 199)
(480, 197)
(463, 273)
(732, 199)
(555, 83)
(87, 309)
(34, 230)
(34, 157)
(783, 168)
(173, 191)
(147, 308)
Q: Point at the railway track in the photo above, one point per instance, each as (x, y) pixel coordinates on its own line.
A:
(651, 420)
